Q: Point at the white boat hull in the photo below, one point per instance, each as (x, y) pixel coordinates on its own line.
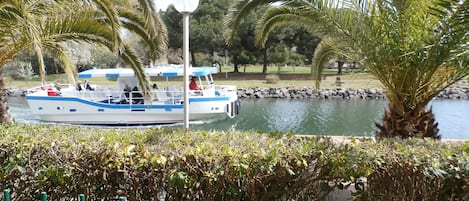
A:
(76, 110)
(99, 105)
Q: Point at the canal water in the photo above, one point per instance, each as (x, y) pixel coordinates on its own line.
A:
(308, 117)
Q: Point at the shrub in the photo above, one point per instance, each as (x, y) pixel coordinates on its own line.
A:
(19, 70)
(149, 163)
(153, 163)
(272, 78)
(416, 169)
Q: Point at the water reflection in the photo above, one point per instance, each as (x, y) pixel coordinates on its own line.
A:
(452, 117)
(310, 117)
(344, 117)
(284, 116)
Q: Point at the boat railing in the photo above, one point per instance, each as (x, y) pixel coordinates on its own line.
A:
(167, 95)
(226, 90)
(117, 96)
(111, 96)
(99, 93)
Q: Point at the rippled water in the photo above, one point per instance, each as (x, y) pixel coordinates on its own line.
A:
(310, 117)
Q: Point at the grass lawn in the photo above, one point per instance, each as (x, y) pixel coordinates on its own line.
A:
(350, 81)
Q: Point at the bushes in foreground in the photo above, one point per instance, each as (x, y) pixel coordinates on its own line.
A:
(154, 164)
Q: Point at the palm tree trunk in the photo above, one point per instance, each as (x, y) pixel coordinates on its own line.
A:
(417, 123)
(264, 60)
(4, 113)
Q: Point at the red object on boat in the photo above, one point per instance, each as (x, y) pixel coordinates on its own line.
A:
(51, 92)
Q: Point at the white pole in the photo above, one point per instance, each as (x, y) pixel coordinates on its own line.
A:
(185, 23)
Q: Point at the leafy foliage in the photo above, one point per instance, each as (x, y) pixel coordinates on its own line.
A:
(153, 163)
(414, 48)
(47, 25)
(19, 70)
(417, 170)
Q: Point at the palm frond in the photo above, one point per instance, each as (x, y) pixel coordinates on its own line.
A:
(129, 56)
(156, 39)
(78, 26)
(276, 17)
(322, 55)
(57, 51)
(106, 7)
(156, 29)
(42, 68)
(236, 13)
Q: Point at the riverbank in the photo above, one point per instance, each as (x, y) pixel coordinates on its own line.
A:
(459, 91)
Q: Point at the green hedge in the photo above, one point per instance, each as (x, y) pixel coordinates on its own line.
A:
(152, 163)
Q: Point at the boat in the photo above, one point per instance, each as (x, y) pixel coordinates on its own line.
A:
(116, 105)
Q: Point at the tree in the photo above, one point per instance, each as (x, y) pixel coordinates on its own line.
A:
(414, 48)
(305, 43)
(295, 38)
(280, 55)
(207, 31)
(173, 21)
(246, 58)
(242, 40)
(46, 25)
(103, 58)
(206, 28)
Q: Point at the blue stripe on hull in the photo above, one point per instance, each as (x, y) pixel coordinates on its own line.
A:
(124, 106)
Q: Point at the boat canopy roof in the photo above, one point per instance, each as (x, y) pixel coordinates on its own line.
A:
(170, 71)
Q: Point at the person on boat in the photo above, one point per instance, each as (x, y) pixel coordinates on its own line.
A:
(127, 91)
(137, 97)
(79, 87)
(88, 86)
(57, 86)
(193, 85)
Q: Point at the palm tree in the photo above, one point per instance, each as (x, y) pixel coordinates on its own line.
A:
(415, 48)
(45, 25)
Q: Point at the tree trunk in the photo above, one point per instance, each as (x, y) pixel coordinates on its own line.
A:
(5, 117)
(235, 63)
(340, 66)
(418, 123)
(193, 61)
(264, 58)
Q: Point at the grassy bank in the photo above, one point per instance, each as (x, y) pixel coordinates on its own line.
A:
(290, 77)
